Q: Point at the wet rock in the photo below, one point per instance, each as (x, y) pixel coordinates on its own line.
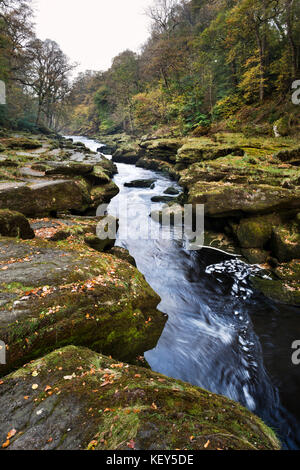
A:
(255, 256)
(141, 183)
(78, 399)
(14, 224)
(103, 194)
(162, 199)
(172, 191)
(73, 295)
(122, 253)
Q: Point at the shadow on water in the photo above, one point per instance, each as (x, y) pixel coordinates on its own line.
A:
(221, 334)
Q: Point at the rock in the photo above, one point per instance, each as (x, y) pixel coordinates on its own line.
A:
(71, 169)
(291, 156)
(162, 149)
(42, 199)
(73, 295)
(21, 143)
(169, 215)
(255, 256)
(162, 199)
(285, 243)
(104, 194)
(222, 200)
(14, 224)
(196, 151)
(108, 166)
(99, 245)
(140, 183)
(122, 253)
(254, 233)
(172, 191)
(127, 153)
(88, 401)
(98, 176)
(278, 290)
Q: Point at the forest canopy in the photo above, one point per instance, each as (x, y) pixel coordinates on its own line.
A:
(205, 61)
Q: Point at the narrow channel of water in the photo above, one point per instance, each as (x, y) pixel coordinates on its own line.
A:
(220, 334)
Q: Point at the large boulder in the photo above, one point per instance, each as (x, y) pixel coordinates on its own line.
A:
(14, 224)
(41, 199)
(254, 232)
(76, 399)
(51, 297)
(162, 149)
(222, 200)
(127, 153)
(285, 243)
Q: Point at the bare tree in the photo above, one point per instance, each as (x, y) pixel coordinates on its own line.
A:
(164, 15)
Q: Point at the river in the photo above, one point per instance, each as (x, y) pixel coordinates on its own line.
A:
(220, 335)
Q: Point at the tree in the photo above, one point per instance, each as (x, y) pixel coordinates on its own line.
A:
(47, 74)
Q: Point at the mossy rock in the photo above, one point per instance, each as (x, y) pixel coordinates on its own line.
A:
(255, 256)
(122, 253)
(14, 224)
(285, 243)
(146, 183)
(21, 143)
(76, 399)
(42, 199)
(104, 194)
(171, 191)
(254, 233)
(55, 296)
(70, 169)
(282, 126)
(280, 290)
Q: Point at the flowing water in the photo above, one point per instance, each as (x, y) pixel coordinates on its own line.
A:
(220, 335)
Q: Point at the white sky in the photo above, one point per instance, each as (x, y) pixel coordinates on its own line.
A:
(93, 32)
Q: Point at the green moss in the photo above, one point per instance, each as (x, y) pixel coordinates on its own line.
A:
(115, 405)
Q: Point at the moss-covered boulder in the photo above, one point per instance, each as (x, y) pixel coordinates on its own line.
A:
(127, 153)
(51, 297)
(70, 169)
(286, 242)
(14, 224)
(234, 199)
(254, 232)
(44, 198)
(103, 194)
(76, 399)
(21, 143)
(161, 149)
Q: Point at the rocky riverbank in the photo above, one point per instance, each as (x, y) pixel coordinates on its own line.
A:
(62, 287)
(251, 191)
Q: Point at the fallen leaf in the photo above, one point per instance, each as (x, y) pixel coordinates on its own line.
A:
(207, 444)
(6, 444)
(34, 386)
(11, 434)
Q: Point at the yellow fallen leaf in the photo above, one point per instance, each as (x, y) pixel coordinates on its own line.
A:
(34, 386)
(11, 434)
(207, 444)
